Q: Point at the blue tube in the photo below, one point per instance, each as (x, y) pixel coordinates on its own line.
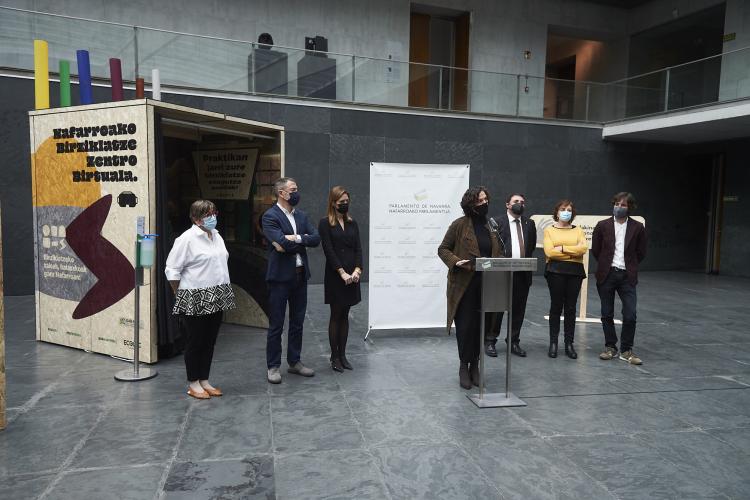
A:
(84, 77)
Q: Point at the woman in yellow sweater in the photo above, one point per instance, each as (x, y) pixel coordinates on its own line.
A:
(564, 245)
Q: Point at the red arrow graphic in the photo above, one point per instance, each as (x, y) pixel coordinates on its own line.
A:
(113, 270)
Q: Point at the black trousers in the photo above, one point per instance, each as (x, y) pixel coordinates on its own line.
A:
(521, 285)
(468, 321)
(617, 281)
(563, 294)
(199, 347)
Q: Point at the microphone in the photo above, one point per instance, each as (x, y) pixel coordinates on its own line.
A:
(493, 225)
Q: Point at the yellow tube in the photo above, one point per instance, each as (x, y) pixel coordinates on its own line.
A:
(41, 74)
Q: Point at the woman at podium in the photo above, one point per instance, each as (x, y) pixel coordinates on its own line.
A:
(564, 246)
(467, 238)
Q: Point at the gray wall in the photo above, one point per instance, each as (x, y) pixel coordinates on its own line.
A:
(328, 146)
(735, 244)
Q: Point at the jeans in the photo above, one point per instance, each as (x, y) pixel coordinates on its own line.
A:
(617, 281)
(295, 293)
(563, 294)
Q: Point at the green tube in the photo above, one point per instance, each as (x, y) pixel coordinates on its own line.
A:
(64, 83)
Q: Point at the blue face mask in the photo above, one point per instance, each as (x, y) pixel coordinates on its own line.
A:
(294, 198)
(620, 212)
(209, 222)
(564, 215)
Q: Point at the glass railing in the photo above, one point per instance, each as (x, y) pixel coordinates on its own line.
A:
(188, 61)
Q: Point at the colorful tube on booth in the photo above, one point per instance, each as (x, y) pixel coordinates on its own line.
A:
(140, 88)
(84, 77)
(155, 85)
(41, 74)
(115, 76)
(64, 83)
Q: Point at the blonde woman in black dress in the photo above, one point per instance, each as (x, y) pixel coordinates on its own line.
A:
(339, 236)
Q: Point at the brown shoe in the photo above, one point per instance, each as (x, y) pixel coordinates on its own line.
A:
(198, 395)
(215, 392)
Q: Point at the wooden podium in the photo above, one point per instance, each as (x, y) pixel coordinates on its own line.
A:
(497, 295)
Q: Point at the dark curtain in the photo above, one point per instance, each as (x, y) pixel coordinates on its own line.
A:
(170, 339)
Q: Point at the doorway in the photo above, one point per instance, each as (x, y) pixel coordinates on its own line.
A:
(439, 57)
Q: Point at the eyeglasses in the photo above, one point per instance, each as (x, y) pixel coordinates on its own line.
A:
(214, 212)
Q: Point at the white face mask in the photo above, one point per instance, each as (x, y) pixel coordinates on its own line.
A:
(564, 215)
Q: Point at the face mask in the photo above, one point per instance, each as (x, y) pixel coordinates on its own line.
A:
(209, 222)
(516, 208)
(620, 212)
(342, 208)
(482, 210)
(294, 198)
(564, 215)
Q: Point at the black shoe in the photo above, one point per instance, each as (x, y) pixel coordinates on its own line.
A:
(552, 353)
(463, 376)
(516, 349)
(490, 350)
(336, 365)
(474, 372)
(569, 351)
(345, 363)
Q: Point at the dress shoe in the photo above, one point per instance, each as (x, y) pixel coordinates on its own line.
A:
(552, 353)
(198, 395)
(214, 392)
(336, 365)
(569, 351)
(299, 369)
(463, 376)
(474, 372)
(274, 376)
(516, 349)
(490, 350)
(345, 363)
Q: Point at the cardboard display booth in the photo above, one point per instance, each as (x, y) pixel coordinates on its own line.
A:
(96, 170)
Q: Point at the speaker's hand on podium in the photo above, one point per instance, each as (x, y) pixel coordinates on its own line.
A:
(465, 264)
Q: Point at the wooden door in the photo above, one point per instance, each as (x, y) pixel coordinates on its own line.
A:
(419, 52)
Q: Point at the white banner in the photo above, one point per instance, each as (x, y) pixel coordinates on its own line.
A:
(411, 207)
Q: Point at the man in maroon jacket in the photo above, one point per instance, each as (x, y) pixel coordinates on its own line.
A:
(619, 245)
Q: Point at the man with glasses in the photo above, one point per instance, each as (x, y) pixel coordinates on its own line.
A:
(518, 234)
(619, 245)
(289, 232)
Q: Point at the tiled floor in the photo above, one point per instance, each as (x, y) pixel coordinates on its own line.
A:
(399, 426)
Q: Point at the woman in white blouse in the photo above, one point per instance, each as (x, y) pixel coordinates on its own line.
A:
(198, 273)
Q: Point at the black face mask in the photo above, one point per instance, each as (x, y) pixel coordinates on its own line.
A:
(482, 210)
(342, 208)
(516, 208)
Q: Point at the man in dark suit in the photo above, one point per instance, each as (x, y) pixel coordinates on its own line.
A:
(518, 234)
(289, 233)
(619, 245)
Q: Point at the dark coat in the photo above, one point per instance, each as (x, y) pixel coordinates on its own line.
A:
(343, 250)
(603, 248)
(529, 238)
(281, 265)
(460, 243)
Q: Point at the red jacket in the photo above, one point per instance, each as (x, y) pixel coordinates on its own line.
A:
(603, 248)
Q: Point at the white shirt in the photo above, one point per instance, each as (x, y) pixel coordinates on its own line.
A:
(515, 244)
(290, 216)
(197, 261)
(619, 258)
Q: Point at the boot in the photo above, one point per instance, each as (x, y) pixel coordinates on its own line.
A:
(569, 351)
(463, 376)
(552, 353)
(474, 372)
(344, 362)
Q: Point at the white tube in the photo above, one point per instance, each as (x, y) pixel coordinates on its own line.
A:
(155, 85)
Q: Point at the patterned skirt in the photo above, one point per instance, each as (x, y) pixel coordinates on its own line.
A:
(201, 301)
